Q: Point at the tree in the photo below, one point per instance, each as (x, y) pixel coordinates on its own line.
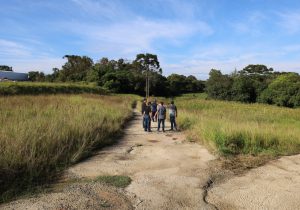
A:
(5, 68)
(194, 85)
(243, 89)
(257, 69)
(36, 76)
(283, 91)
(218, 86)
(177, 84)
(148, 63)
(76, 68)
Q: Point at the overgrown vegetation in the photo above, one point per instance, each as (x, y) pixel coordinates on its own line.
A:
(34, 88)
(41, 135)
(236, 128)
(255, 83)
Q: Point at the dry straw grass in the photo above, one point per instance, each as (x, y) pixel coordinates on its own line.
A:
(40, 135)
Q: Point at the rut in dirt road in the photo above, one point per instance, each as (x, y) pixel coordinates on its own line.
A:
(167, 172)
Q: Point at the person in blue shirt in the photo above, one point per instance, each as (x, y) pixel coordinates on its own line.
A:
(154, 110)
(173, 115)
(161, 114)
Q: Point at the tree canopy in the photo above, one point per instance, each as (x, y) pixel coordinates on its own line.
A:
(5, 68)
(255, 83)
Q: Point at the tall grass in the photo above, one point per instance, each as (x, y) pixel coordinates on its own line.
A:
(236, 128)
(40, 135)
(34, 88)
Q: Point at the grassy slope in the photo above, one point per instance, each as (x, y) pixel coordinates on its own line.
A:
(235, 128)
(34, 88)
(40, 135)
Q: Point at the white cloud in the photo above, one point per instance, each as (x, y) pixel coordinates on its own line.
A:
(250, 24)
(134, 36)
(45, 64)
(107, 9)
(24, 59)
(9, 48)
(290, 21)
(228, 58)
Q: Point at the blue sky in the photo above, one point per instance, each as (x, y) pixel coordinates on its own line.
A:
(189, 36)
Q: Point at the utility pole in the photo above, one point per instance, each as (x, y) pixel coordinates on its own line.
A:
(147, 89)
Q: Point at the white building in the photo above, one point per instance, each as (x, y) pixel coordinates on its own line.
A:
(14, 76)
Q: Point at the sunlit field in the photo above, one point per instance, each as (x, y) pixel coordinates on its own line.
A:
(236, 128)
(40, 135)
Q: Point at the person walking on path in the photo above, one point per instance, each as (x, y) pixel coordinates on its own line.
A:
(154, 110)
(147, 117)
(161, 114)
(144, 104)
(173, 115)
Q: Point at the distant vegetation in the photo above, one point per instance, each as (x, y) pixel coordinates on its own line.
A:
(5, 68)
(122, 76)
(255, 83)
(236, 128)
(30, 88)
(41, 135)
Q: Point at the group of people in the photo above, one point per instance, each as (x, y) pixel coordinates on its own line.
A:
(154, 112)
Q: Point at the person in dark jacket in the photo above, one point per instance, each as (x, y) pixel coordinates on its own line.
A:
(153, 110)
(147, 117)
(144, 104)
(173, 115)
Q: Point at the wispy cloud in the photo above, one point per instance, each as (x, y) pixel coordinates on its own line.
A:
(110, 10)
(290, 21)
(9, 48)
(45, 64)
(134, 36)
(250, 24)
(23, 58)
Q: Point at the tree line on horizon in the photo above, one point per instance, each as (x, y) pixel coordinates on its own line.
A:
(122, 76)
(255, 83)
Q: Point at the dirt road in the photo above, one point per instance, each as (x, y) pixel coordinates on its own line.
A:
(167, 172)
(275, 185)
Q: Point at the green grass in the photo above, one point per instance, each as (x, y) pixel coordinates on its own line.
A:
(34, 88)
(117, 181)
(41, 135)
(236, 128)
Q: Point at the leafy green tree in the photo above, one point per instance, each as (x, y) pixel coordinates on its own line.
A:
(257, 69)
(5, 68)
(283, 91)
(147, 64)
(177, 84)
(36, 76)
(193, 85)
(218, 86)
(243, 89)
(76, 68)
